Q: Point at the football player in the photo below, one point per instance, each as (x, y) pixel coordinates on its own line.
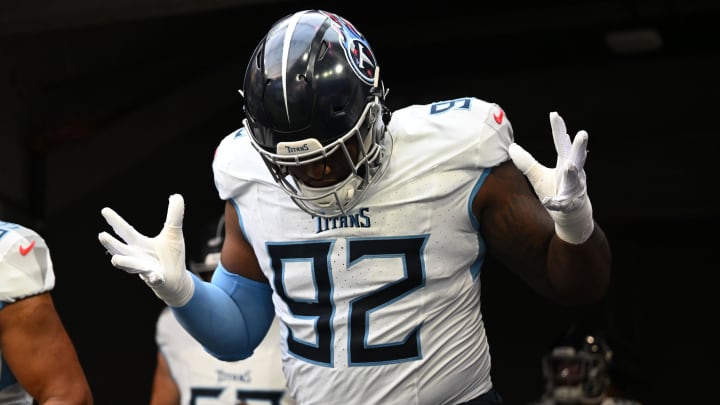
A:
(365, 230)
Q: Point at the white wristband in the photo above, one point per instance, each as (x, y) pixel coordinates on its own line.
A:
(576, 226)
(179, 295)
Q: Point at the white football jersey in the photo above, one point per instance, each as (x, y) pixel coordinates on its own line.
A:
(381, 306)
(205, 380)
(25, 270)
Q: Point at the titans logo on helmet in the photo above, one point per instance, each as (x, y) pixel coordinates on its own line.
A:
(357, 50)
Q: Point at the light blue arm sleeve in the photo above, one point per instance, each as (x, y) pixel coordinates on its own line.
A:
(229, 316)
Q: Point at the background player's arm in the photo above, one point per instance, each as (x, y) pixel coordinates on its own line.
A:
(520, 233)
(164, 389)
(40, 353)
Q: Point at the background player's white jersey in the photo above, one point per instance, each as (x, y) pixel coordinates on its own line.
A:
(204, 380)
(25, 270)
(388, 294)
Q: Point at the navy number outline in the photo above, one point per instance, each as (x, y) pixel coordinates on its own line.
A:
(321, 309)
(444, 106)
(273, 397)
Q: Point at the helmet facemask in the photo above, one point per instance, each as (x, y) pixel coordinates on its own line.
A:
(365, 168)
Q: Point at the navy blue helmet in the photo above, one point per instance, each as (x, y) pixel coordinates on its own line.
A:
(312, 86)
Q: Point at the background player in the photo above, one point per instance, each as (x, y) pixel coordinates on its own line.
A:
(37, 358)
(576, 371)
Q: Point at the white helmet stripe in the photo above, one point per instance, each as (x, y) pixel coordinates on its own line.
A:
(292, 23)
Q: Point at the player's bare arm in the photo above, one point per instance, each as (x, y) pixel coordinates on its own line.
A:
(521, 234)
(40, 353)
(165, 391)
(237, 255)
(515, 226)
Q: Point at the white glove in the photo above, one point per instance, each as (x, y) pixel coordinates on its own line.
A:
(159, 261)
(563, 189)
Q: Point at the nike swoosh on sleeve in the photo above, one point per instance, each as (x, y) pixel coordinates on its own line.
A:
(24, 250)
(499, 116)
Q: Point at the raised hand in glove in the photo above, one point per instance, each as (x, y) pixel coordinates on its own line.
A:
(562, 189)
(159, 261)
